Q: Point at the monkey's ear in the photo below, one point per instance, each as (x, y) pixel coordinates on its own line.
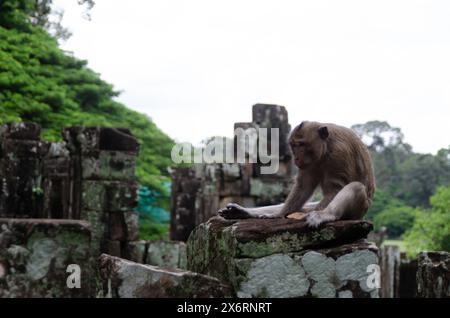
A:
(323, 132)
(301, 125)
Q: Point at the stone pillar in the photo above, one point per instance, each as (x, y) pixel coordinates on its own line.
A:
(408, 271)
(198, 192)
(21, 152)
(185, 186)
(433, 275)
(56, 182)
(285, 258)
(390, 271)
(104, 187)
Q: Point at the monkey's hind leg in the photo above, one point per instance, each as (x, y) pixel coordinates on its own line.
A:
(350, 203)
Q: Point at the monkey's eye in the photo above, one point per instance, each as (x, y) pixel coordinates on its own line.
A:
(298, 144)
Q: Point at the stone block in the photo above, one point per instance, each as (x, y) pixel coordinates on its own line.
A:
(167, 254)
(22, 130)
(109, 196)
(123, 226)
(285, 258)
(126, 279)
(20, 192)
(35, 255)
(17, 148)
(109, 165)
(433, 275)
(267, 192)
(136, 251)
(89, 140)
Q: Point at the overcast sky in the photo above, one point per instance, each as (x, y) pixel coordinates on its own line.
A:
(196, 67)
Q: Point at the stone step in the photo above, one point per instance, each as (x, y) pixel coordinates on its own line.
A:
(126, 279)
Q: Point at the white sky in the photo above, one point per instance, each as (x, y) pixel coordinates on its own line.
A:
(196, 67)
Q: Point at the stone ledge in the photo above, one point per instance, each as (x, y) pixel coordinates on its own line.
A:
(45, 224)
(126, 279)
(258, 238)
(284, 257)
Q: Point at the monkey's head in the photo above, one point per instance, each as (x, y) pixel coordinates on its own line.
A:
(308, 143)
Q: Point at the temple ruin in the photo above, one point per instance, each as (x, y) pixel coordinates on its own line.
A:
(70, 206)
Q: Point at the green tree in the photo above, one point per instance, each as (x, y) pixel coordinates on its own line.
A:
(405, 175)
(396, 220)
(431, 229)
(39, 82)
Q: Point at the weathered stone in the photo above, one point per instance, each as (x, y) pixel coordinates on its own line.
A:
(109, 196)
(408, 273)
(87, 140)
(212, 186)
(167, 254)
(259, 257)
(35, 255)
(132, 225)
(261, 237)
(20, 193)
(237, 187)
(274, 116)
(136, 251)
(274, 276)
(17, 148)
(126, 279)
(56, 185)
(22, 130)
(433, 275)
(109, 165)
(99, 229)
(231, 171)
(390, 271)
(113, 248)
(185, 185)
(268, 191)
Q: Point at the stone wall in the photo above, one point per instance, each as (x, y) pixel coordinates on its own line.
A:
(285, 258)
(35, 255)
(104, 186)
(45, 186)
(433, 275)
(89, 176)
(198, 192)
(21, 155)
(165, 254)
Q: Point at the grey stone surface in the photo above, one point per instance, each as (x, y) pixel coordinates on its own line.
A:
(433, 275)
(127, 279)
(284, 258)
(35, 255)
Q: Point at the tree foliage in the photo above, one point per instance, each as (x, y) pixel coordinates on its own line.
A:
(408, 176)
(431, 229)
(39, 82)
(396, 220)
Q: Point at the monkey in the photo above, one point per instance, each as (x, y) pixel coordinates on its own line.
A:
(328, 156)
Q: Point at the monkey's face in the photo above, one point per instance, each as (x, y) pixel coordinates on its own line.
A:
(308, 144)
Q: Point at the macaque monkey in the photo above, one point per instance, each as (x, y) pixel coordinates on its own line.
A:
(330, 157)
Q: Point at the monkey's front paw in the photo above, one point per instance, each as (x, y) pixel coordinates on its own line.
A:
(316, 218)
(234, 211)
